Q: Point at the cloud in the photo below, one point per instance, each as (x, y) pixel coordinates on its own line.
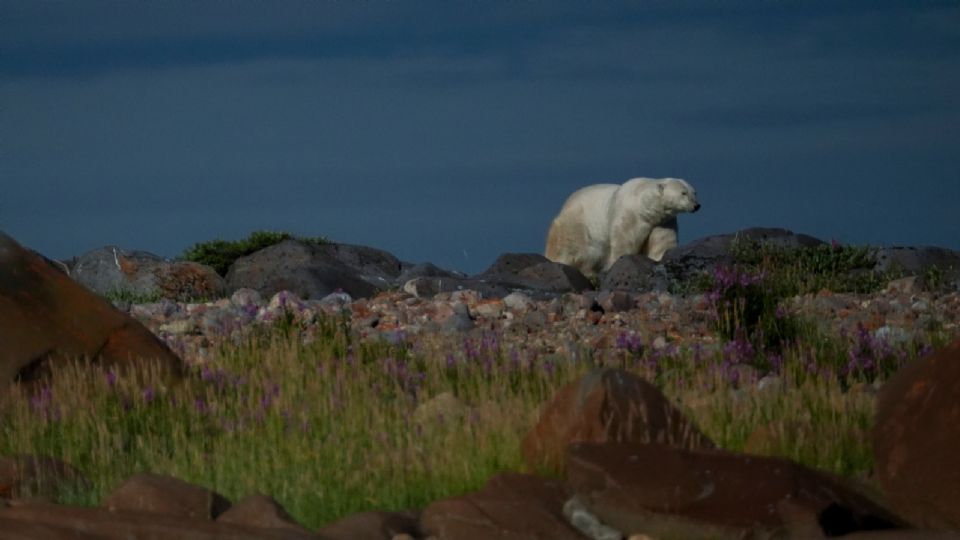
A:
(464, 123)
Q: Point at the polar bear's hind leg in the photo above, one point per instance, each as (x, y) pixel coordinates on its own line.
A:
(569, 242)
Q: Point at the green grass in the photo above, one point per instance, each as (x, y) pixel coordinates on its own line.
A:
(220, 254)
(126, 295)
(802, 270)
(324, 422)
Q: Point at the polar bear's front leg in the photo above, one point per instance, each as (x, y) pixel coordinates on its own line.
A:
(662, 239)
(627, 234)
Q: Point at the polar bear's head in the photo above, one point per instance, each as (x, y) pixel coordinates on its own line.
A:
(677, 195)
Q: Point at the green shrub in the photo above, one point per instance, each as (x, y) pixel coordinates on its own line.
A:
(126, 295)
(220, 254)
(803, 270)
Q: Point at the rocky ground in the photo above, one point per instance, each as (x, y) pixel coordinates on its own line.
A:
(615, 483)
(565, 325)
(523, 299)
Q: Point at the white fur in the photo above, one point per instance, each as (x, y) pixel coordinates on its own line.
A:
(600, 223)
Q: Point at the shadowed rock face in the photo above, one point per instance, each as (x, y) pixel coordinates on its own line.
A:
(49, 522)
(24, 476)
(375, 525)
(607, 405)
(916, 439)
(510, 506)
(160, 494)
(47, 317)
(662, 490)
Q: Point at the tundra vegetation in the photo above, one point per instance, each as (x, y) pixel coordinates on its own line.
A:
(324, 421)
(220, 254)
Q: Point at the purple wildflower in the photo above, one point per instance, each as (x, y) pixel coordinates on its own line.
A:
(548, 367)
(630, 342)
(776, 362)
(42, 401)
(201, 406)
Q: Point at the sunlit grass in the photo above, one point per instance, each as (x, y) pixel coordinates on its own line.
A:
(325, 423)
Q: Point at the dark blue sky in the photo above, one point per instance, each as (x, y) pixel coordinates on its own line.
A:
(453, 131)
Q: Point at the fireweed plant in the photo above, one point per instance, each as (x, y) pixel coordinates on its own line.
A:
(331, 423)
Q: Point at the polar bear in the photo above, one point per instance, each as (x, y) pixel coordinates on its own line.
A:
(600, 223)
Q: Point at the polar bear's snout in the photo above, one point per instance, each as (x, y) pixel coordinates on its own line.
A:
(695, 207)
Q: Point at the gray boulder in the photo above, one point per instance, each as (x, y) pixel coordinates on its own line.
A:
(112, 270)
(512, 263)
(534, 272)
(425, 270)
(635, 273)
(375, 266)
(427, 287)
(313, 271)
(530, 272)
(939, 267)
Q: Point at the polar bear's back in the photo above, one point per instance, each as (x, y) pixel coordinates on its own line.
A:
(592, 199)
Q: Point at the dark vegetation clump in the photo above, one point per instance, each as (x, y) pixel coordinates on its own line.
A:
(750, 295)
(220, 254)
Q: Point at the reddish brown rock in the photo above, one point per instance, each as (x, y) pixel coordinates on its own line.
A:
(917, 442)
(260, 511)
(665, 491)
(112, 269)
(607, 405)
(904, 535)
(47, 317)
(510, 506)
(184, 280)
(49, 522)
(372, 526)
(24, 476)
(160, 494)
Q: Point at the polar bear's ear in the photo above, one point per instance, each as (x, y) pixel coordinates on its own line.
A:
(660, 187)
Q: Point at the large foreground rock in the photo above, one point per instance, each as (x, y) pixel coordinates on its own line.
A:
(261, 511)
(312, 271)
(26, 476)
(48, 522)
(374, 525)
(916, 439)
(509, 507)
(666, 492)
(607, 405)
(47, 317)
(161, 494)
(112, 270)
